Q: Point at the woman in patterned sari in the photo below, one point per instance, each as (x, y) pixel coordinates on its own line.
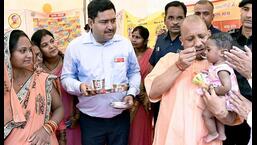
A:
(33, 105)
(141, 131)
(69, 133)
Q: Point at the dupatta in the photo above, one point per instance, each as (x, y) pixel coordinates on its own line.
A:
(13, 113)
(28, 109)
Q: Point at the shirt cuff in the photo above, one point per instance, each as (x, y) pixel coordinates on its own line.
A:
(132, 91)
(77, 85)
(250, 82)
(249, 119)
(74, 88)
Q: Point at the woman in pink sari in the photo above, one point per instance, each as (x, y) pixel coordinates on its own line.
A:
(69, 130)
(32, 105)
(141, 131)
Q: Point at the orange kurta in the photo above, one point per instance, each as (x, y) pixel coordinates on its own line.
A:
(180, 119)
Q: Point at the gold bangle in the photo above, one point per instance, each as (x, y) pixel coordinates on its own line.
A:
(49, 127)
(53, 125)
(49, 133)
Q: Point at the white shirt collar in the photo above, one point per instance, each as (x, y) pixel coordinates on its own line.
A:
(89, 38)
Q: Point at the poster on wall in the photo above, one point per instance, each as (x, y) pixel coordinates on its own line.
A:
(226, 14)
(65, 28)
(227, 17)
(154, 23)
(14, 20)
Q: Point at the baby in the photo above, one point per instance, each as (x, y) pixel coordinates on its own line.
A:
(223, 79)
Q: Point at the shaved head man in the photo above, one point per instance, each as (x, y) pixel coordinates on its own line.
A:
(180, 116)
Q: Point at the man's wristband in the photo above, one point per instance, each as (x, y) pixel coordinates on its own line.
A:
(179, 66)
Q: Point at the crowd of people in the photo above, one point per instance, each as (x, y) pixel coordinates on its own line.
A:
(193, 88)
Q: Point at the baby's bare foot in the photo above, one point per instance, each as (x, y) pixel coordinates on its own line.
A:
(222, 137)
(211, 137)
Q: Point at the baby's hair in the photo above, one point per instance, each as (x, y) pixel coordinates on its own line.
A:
(223, 40)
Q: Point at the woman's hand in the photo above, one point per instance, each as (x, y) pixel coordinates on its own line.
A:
(40, 137)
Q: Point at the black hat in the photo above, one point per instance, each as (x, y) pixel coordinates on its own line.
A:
(244, 2)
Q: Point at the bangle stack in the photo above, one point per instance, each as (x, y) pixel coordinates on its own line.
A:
(50, 127)
(53, 125)
(47, 130)
(179, 66)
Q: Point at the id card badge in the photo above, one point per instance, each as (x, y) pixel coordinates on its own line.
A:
(119, 59)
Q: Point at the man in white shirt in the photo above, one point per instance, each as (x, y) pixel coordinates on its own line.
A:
(100, 67)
